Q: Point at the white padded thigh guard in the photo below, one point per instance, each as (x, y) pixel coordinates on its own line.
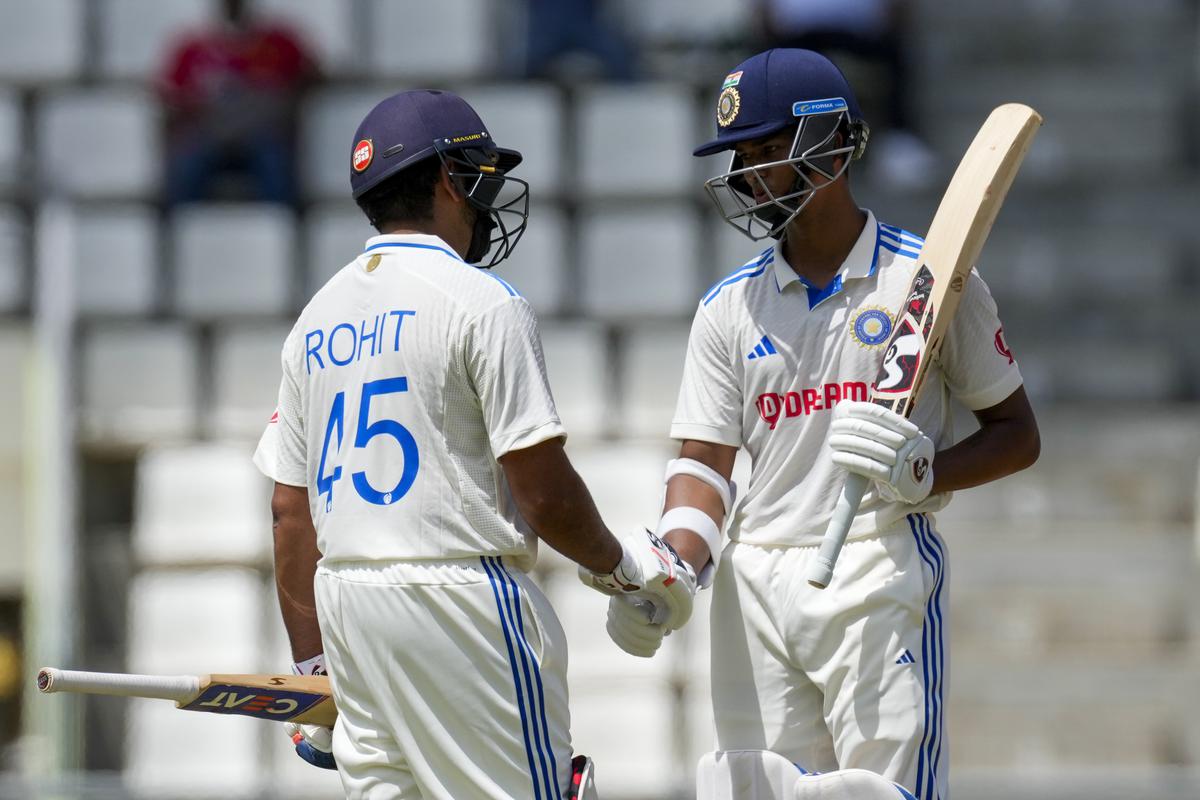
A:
(745, 775)
(764, 775)
(848, 784)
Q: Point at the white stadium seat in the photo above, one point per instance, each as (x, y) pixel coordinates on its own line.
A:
(180, 756)
(577, 365)
(117, 259)
(233, 259)
(201, 503)
(328, 120)
(527, 118)
(135, 35)
(41, 41)
(246, 372)
(625, 479)
(538, 267)
(687, 20)
(139, 382)
(13, 248)
(189, 622)
(101, 143)
(651, 369)
(444, 40)
(617, 158)
(327, 26)
(334, 235)
(640, 263)
(628, 728)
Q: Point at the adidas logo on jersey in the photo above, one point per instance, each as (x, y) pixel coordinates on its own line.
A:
(762, 349)
(906, 658)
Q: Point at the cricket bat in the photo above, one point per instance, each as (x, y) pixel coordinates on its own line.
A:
(956, 236)
(279, 698)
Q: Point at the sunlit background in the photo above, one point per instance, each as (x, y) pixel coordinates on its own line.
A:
(139, 340)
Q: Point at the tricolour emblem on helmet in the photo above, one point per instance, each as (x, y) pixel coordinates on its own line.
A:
(728, 106)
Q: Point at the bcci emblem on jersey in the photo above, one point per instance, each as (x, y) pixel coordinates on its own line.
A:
(871, 326)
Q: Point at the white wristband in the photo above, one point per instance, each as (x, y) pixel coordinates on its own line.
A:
(311, 666)
(696, 521)
(702, 472)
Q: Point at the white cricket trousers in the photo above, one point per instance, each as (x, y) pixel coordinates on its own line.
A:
(851, 676)
(450, 679)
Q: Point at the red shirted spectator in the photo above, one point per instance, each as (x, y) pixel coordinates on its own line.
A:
(231, 91)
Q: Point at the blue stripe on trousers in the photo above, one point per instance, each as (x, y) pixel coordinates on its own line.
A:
(932, 660)
(512, 661)
(552, 780)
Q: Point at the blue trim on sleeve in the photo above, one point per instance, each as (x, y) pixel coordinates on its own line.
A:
(751, 270)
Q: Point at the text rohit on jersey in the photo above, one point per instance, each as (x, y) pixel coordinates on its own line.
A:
(348, 342)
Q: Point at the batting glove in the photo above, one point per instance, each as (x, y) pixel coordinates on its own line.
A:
(631, 625)
(652, 568)
(314, 743)
(879, 444)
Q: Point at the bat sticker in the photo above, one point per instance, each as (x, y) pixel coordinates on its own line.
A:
(901, 360)
(270, 704)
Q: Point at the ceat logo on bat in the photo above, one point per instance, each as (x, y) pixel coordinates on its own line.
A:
(268, 704)
(364, 151)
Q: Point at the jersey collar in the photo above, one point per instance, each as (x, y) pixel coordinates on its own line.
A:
(860, 262)
(393, 242)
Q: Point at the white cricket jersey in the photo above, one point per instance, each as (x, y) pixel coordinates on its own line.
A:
(404, 380)
(769, 356)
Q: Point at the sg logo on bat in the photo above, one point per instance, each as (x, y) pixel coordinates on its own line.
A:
(274, 704)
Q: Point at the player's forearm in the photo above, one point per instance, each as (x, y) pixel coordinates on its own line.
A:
(688, 491)
(1006, 442)
(991, 453)
(296, 557)
(553, 499)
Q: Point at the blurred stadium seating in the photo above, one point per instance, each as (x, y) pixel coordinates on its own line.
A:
(1076, 612)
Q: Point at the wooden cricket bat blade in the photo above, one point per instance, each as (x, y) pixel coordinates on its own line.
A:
(960, 227)
(280, 698)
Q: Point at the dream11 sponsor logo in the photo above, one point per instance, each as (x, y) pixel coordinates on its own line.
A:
(773, 406)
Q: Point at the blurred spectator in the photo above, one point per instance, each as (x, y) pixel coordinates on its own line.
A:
(561, 33)
(231, 91)
(873, 32)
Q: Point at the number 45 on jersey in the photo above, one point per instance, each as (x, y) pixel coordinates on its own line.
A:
(364, 432)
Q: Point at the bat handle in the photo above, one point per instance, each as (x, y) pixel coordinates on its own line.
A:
(820, 569)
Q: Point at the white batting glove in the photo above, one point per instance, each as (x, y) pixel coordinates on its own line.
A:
(879, 444)
(314, 743)
(652, 568)
(631, 625)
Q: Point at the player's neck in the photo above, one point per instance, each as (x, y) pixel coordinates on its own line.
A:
(816, 244)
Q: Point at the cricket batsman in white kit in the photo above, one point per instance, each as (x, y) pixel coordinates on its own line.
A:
(848, 681)
(417, 459)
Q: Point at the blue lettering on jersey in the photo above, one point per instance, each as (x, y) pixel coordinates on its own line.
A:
(348, 342)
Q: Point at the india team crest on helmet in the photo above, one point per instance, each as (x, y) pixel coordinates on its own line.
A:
(871, 326)
(728, 106)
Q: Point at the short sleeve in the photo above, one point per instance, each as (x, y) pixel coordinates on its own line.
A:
(281, 454)
(503, 354)
(710, 396)
(978, 366)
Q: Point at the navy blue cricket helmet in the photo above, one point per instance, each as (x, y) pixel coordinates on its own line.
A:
(768, 93)
(412, 126)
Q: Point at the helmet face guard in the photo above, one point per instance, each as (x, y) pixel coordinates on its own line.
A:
(501, 203)
(812, 159)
